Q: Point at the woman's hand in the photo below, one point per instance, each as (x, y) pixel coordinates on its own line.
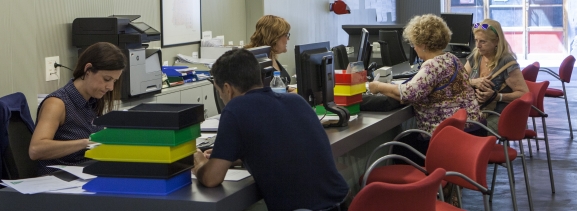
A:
(483, 96)
(482, 83)
(374, 86)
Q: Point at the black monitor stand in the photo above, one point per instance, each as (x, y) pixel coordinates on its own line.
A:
(328, 82)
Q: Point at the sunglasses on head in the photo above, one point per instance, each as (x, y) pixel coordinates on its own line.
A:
(485, 26)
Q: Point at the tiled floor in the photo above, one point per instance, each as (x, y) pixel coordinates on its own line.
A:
(564, 159)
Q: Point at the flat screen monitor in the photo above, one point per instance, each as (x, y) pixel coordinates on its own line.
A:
(461, 26)
(316, 79)
(365, 49)
(355, 30)
(308, 59)
(262, 56)
(392, 51)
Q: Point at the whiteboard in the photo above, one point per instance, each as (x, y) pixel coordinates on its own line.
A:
(180, 22)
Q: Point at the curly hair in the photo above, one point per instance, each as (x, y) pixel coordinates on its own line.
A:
(269, 29)
(503, 47)
(428, 30)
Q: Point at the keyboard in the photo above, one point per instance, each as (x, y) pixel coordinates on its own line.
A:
(406, 74)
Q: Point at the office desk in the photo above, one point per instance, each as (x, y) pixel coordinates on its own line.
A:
(229, 196)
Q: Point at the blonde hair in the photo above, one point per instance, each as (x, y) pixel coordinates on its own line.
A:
(269, 29)
(503, 47)
(428, 30)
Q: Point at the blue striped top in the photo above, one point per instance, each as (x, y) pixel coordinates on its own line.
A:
(77, 125)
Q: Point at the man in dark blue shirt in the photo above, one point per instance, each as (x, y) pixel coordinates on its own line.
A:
(278, 137)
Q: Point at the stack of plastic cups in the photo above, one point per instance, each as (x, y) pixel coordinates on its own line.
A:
(349, 89)
(147, 161)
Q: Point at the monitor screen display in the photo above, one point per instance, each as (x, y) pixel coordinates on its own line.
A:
(461, 26)
(392, 51)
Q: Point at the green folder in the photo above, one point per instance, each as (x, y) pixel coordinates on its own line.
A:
(146, 137)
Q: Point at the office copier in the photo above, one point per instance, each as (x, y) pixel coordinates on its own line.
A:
(142, 75)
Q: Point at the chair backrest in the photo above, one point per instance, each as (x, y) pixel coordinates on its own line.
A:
(218, 101)
(458, 120)
(16, 161)
(530, 72)
(341, 58)
(536, 64)
(566, 68)
(456, 150)
(421, 195)
(538, 91)
(513, 120)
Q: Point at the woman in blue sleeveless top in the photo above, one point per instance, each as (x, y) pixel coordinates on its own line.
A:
(64, 118)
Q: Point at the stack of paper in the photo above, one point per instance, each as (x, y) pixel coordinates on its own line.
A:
(40, 184)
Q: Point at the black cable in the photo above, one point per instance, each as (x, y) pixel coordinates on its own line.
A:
(56, 65)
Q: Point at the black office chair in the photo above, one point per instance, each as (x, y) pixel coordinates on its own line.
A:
(16, 127)
(16, 162)
(217, 100)
(219, 103)
(341, 59)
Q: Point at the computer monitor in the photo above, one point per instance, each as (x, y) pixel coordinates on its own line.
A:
(261, 53)
(392, 51)
(460, 24)
(365, 49)
(315, 78)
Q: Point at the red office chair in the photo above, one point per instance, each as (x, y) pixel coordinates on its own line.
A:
(464, 156)
(564, 76)
(512, 125)
(538, 91)
(400, 197)
(402, 174)
(530, 72)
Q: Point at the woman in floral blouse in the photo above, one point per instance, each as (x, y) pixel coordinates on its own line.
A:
(441, 87)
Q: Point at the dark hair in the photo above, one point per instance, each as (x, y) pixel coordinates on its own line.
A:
(238, 68)
(106, 57)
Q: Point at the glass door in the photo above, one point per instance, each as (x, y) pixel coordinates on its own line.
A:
(535, 29)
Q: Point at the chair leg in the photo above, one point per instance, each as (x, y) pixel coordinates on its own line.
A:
(493, 182)
(536, 136)
(530, 150)
(459, 196)
(548, 155)
(529, 196)
(529, 144)
(486, 203)
(441, 195)
(510, 174)
(567, 108)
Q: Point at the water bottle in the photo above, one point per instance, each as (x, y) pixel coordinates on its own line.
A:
(276, 83)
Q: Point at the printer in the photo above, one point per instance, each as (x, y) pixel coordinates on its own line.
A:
(143, 73)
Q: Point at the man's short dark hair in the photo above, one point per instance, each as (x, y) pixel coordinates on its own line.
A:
(239, 68)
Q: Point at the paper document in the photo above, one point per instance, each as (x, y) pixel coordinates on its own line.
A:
(75, 170)
(74, 190)
(210, 124)
(233, 175)
(39, 184)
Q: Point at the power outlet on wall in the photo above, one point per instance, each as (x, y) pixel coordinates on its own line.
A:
(52, 73)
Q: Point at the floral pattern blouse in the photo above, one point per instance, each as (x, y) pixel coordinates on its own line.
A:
(433, 106)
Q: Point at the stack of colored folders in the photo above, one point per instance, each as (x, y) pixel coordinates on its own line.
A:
(349, 89)
(145, 150)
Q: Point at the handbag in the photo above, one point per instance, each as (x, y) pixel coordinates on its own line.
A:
(490, 104)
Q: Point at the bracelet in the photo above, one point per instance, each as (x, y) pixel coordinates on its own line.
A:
(500, 97)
